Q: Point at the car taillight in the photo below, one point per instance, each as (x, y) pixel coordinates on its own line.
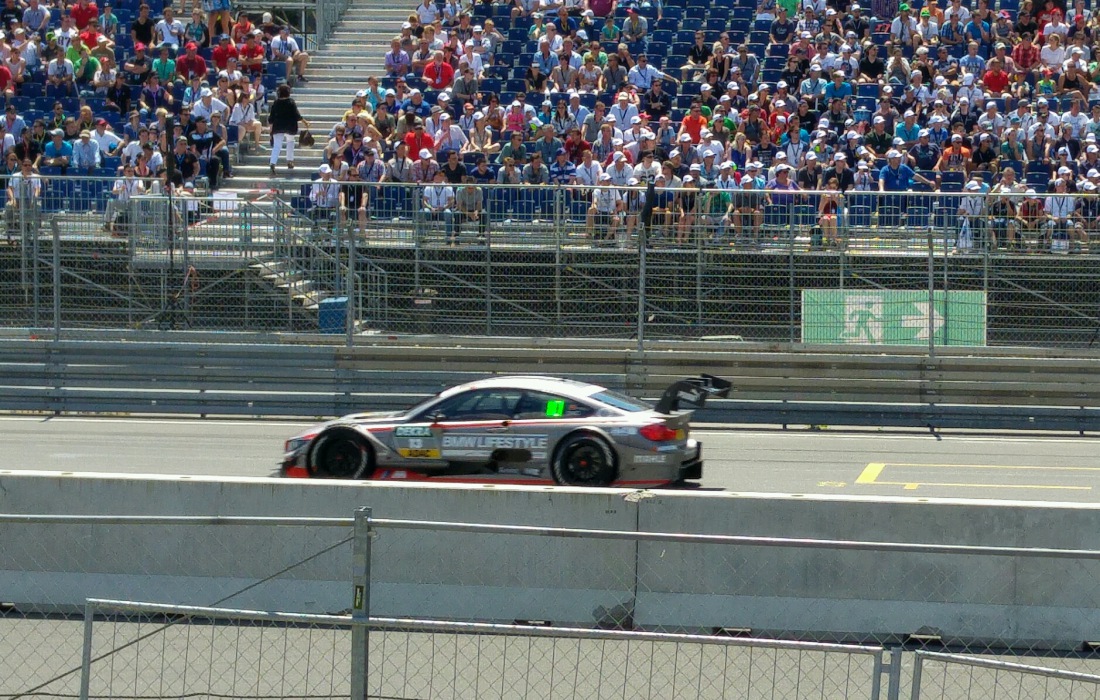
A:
(659, 432)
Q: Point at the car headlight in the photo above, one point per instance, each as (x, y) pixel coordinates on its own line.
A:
(295, 444)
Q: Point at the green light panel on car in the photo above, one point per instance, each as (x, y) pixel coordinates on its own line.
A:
(555, 409)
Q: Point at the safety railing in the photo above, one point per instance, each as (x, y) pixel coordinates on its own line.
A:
(927, 269)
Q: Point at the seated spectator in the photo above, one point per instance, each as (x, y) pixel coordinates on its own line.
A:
(139, 65)
(85, 154)
(285, 48)
(326, 198)
(57, 153)
(169, 30)
(252, 55)
(60, 78)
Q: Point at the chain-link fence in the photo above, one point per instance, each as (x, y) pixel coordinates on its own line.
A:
(865, 268)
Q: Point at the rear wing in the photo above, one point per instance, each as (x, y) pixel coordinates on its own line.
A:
(692, 393)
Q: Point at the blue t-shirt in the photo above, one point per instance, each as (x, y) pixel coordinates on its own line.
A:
(906, 133)
(896, 180)
(843, 91)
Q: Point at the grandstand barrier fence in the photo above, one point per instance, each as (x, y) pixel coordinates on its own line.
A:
(926, 269)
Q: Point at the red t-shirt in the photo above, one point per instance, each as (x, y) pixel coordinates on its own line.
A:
(5, 78)
(83, 15)
(191, 65)
(693, 125)
(995, 82)
(90, 38)
(248, 53)
(221, 55)
(415, 144)
(439, 76)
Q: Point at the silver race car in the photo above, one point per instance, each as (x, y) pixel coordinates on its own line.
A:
(518, 430)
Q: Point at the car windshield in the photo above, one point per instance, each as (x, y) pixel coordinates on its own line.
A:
(620, 401)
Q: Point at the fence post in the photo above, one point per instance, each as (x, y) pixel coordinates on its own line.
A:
(894, 690)
(360, 608)
(56, 280)
(790, 269)
(643, 234)
(352, 288)
(86, 653)
(932, 296)
(918, 667)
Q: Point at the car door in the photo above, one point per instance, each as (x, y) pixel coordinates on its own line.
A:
(541, 418)
(474, 424)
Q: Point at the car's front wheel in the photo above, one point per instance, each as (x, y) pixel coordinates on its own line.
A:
(340, 453)
(584, 460)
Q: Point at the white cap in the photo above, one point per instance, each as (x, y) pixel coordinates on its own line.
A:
(968, 79)
(880, 120)
(324, 169)
(695, 168)
(635, 120)
(781, 84)
(1064, 171)
(1093, 173)
(616, 142)
(687, 179)
(732, 85)
(1089, 186)
(726, 165)
(811, 156)
(605, 176)
(619, 156)
(781, 155)
(862, 165)
(893, 154)
(973, 187)
(839, 157)
(632, 181)
(425, 153)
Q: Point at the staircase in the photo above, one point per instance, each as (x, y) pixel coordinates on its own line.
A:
(353, 52)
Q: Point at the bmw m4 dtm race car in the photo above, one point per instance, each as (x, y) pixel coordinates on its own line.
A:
(515, 430)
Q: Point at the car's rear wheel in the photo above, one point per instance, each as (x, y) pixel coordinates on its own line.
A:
(584, 460)
(340, 453)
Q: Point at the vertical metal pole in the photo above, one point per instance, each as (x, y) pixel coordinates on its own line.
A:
(353, 288)
(931, 295)
(56, 281)
(86, 652)
(360, 608)
(918, 667)
(876, 673)
(642, 236)
(894, 690)
(790, 270)
(36, 252)
(489, 275)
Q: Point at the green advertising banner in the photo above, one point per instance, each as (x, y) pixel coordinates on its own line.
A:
(892, 317)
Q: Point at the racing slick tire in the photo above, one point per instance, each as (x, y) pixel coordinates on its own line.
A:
(583, 459)
(340, 453)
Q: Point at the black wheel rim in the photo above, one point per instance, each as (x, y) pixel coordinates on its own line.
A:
(587, 463)
(341, 458)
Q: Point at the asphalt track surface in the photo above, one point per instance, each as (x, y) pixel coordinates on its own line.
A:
(876, 463)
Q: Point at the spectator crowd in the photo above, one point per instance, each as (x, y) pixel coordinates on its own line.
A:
(706, 121)
(145, 96)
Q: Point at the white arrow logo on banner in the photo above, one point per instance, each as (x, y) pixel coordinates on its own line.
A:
(920, 320)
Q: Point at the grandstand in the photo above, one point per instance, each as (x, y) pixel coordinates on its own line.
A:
(739, 88)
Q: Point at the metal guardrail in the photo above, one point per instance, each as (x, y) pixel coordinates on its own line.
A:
(809, 388)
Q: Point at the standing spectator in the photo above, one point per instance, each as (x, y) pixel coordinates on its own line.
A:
(285, 48)
(895, 176)
(218, 16)
(283, 121)
(470, 205)
(635, 32)
(438, 203)
(24, 197)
